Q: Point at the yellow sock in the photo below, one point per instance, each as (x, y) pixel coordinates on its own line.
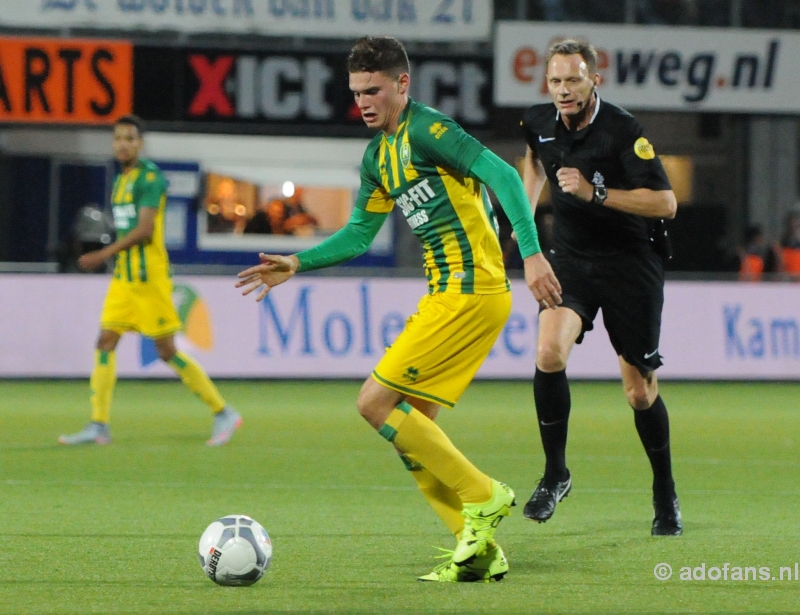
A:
(102, 383)
(417, 435)
(444, 501)
(195, 377)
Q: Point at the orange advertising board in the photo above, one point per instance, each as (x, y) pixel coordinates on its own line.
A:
(65, 80)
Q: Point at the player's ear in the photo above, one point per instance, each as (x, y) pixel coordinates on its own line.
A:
(598, 79)
(403, 83)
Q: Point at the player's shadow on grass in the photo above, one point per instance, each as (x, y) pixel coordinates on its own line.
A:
(97, 536)
(146, 584)
(608, 530)
(134, 435)
(198, 438)
(27, 448)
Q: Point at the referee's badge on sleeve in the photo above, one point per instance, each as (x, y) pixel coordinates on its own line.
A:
(643, 149)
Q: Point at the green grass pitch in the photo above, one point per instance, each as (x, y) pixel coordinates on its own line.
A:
(114, 529)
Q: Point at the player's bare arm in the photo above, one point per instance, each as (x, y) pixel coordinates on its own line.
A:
(641, 201)
(142, 232)
(273, 270)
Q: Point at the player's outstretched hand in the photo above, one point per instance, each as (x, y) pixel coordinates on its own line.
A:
(273, 270)
(542, 281)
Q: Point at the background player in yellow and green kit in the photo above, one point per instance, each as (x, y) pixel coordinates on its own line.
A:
(424, 163)
(139, 297)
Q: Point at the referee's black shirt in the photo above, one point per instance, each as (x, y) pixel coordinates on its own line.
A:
(611, 151)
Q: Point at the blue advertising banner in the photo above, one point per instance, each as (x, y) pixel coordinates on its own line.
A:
(320, 327)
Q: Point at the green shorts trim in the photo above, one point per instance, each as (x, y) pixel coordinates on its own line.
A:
(409, 391)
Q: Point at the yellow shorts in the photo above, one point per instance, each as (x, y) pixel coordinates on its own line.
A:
(145, 307)
(443, 345)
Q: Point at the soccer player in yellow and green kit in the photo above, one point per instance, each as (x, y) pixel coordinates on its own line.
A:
(423, 162)
(140, 295)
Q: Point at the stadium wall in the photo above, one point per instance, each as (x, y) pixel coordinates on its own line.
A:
(320, 327)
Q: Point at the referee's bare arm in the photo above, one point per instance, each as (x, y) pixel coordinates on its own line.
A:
(643, 202)
(533, 177)
(640, 201)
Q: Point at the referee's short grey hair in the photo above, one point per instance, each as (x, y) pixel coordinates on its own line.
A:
(570, 47)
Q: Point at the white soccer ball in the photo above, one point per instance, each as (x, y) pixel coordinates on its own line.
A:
(235, 550)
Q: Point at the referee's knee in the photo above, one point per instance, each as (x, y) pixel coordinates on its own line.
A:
(641, 396)
(549, 358)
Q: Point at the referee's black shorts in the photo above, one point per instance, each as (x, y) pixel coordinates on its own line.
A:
(630, 291)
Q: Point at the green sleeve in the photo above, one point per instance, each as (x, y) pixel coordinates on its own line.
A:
(350, 241)
(445, 143)
(505, 182)
(151, 188)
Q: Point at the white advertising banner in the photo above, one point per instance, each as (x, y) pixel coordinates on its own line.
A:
(318, 327)
(435, 20)
(655, 67)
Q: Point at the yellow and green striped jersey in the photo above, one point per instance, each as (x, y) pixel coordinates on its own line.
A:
(423, 168)
(142, 186)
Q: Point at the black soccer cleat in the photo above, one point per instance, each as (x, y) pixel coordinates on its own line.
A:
(667, 520)
(543, 502)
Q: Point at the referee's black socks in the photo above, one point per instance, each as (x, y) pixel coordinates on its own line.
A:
(653, 427)
(551, 395)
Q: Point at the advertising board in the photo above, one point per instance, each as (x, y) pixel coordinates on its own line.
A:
(321, 327)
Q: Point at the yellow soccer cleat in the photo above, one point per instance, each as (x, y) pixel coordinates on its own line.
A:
(446, 572)
(480, 523)
(492, 566)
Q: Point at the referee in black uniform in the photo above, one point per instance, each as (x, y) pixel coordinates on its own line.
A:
(609, 190)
